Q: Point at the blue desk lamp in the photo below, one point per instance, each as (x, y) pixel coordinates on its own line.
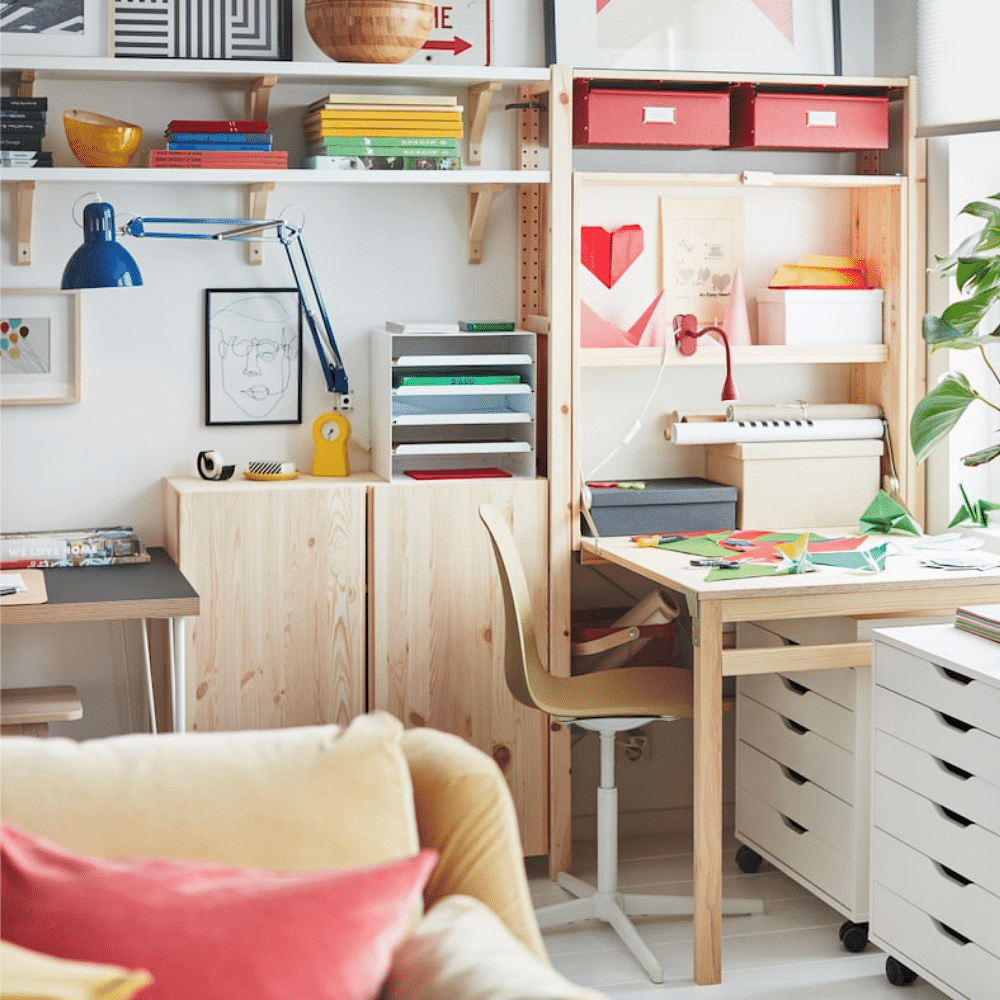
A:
(102, 262)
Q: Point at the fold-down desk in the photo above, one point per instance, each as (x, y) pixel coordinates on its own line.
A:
(904, 588)
(157, 589)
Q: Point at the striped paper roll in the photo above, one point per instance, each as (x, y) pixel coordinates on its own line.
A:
(740, 431)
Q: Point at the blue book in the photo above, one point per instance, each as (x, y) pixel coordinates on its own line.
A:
(229, 147)
(216, 138)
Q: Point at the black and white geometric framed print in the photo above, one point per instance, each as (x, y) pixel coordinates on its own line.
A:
(203, 29)
(53, 28)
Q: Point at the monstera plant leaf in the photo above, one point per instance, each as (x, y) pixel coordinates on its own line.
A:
(938, 412)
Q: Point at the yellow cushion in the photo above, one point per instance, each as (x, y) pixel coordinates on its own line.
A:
(29, 975)
(311, 797)
(461, 950)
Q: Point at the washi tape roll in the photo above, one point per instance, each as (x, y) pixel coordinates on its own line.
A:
(210, 466)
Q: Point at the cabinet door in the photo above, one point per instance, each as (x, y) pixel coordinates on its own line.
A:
(437, 624)
(281, 572)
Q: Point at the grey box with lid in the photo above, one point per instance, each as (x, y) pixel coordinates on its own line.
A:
(663, 505)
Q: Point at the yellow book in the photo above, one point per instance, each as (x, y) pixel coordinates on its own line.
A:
(828, 260)
(443, 100)
(393, 110)
(361, 128)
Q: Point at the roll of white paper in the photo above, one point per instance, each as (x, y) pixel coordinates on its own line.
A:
(803, 411)
(740, 431)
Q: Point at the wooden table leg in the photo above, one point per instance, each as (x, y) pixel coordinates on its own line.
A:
(707, 638)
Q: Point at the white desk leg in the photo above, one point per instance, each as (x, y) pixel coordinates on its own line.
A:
(177, 674)
(149, 675)
(707, 924)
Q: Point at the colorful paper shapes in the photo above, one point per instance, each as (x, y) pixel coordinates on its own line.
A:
(977, 513)
(795, 556)
(885, 515)
(608, 255)
(654, 328)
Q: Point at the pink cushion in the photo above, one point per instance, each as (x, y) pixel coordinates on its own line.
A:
(208, 930)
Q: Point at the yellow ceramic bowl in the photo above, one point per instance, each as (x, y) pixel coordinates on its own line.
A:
(100, 141)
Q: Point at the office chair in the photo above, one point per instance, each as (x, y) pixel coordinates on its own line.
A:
(606, 702)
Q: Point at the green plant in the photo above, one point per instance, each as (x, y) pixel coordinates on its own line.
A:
(971, 323)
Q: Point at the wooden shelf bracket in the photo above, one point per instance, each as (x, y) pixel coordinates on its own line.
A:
(480, 199)
(257, 196)
(259, 97)
(480, 97)
(25, 204)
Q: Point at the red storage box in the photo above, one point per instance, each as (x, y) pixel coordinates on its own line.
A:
(613, 116)
(808, 121)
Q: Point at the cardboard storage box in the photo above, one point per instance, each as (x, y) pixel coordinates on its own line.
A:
(831, 317)
(664, 506)
(798, 484)
(615, 116)
(762, 120)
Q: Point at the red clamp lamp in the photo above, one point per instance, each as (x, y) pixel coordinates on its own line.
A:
(686, 334)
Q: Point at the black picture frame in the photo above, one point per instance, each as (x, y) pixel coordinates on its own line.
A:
(251, 30)
(571, 38)
(253, 356)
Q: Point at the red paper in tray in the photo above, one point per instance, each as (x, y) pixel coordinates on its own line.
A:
(486, 472)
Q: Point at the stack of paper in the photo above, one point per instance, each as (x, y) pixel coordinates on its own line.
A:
(980, 619)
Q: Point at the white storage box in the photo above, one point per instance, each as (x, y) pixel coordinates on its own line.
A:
(811, 316)
(798, 484)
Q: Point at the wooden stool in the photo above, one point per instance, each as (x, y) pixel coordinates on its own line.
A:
(28, 711)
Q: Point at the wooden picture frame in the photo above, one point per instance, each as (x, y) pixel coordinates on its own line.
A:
(253, 356)
(730, 36)
(39, 346)
(54, 28)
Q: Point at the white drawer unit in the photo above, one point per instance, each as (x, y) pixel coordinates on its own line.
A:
(802, 774)
(935, 839)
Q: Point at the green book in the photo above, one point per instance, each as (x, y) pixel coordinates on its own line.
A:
(441, 145)
(486, 326)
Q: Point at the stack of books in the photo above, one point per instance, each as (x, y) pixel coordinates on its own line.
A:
(22, 128)
(119, 545)
(980, 619)
(381, 132)
(214, 144)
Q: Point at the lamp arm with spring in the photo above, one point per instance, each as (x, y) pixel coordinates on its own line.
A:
(290, 237)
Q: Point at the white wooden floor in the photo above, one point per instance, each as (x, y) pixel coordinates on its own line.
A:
(791, 951)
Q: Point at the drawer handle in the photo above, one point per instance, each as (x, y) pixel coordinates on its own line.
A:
(954, 769)
(794, 686)
(792, 825)
(659, 115)
(952, 874)
(950, 720)
(794, 726)
(799, 779)
(821, 119)
(951, 932)
(955, 817)
(953, 675)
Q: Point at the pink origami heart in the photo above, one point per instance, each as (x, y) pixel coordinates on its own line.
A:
(609, 255)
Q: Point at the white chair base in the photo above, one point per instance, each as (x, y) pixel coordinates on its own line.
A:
(604, 901)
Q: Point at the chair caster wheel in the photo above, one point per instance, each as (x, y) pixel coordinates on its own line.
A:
(748, 860)
(897, 973)
(854, 937)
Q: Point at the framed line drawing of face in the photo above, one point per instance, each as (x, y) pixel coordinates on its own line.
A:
(253, 356)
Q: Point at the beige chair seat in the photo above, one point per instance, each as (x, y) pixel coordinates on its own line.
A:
(28, 711)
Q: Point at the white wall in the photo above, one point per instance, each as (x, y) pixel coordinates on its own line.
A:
(379, 255)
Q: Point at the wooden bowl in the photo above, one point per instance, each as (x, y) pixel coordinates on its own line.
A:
(371, 31)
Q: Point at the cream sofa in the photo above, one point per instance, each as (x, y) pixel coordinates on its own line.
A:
(312, 798)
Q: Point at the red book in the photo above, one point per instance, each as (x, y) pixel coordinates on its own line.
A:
(276, 159)
(215, 125)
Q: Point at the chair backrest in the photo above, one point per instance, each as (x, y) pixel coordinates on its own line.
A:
(522, 667)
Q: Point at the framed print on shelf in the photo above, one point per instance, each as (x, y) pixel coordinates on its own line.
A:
(253, 356)
(53, 27)
(724, 36)
(39, 346)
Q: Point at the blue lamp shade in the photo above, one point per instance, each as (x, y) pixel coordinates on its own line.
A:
(101, 261)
